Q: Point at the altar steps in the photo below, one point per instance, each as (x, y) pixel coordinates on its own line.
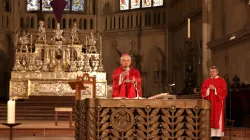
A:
(39, 108)
(34, 113)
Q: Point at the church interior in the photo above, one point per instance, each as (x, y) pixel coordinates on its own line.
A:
(45, 49)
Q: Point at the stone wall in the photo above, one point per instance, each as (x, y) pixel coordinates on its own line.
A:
(230, 44)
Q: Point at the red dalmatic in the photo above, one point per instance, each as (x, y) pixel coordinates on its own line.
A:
(120, 88)
(217, 98)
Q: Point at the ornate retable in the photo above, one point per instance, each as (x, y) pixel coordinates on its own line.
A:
(25, 84)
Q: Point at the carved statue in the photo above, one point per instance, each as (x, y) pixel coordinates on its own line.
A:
(91, 39)
(41, 35)
(24, 39)
(58, 37)
(75, 33)
(90, 43)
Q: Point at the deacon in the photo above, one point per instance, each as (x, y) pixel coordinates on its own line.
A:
(215, 90)
(126, 80)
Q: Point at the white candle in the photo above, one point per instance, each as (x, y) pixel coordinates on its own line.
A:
(188, 27)
(11, 111)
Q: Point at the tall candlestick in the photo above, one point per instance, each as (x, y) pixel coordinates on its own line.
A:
(188, 27)
(11, 111)
(31, 40)
(86, 41)
(100, 43)
(58, 26)
(45, 39)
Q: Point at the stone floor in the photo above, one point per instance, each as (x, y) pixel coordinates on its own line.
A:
(46, 130)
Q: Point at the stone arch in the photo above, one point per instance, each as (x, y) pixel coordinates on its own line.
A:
(154, 72)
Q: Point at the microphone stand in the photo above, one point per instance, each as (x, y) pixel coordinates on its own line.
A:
(136, 89)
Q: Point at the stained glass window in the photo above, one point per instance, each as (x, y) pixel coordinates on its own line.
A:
(158, 3)
(46, 5)
(77, 5)
(124, 4)
(33, 5)
(135, 4)
(67, 7)
(146, 3)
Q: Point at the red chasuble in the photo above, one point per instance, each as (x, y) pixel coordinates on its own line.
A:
(217, 98)
(121, 88)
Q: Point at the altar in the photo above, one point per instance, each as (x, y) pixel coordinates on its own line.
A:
(45, 64)
(142, 119)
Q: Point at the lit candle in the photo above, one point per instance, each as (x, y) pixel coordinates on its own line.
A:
(11, 112)
(188, 27)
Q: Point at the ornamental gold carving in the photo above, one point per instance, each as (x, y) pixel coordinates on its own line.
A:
(50, 64)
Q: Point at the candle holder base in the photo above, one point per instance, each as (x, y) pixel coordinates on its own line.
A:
(11, 125)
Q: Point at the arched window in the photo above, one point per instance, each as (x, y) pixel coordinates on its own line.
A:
(136, 4)
(44, 5)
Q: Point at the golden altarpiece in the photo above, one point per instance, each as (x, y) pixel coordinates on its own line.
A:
(44, 67)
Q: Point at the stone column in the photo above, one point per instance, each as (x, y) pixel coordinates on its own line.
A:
(15, 15)
(246, 11)
(100, 19)
(168, 47)
(108, 23)
(88, 5)
(91, 7)
(207, 31)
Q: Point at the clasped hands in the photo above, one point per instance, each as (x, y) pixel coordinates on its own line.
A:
(212, 87)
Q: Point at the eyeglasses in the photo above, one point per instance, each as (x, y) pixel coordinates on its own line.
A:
(126, 60)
